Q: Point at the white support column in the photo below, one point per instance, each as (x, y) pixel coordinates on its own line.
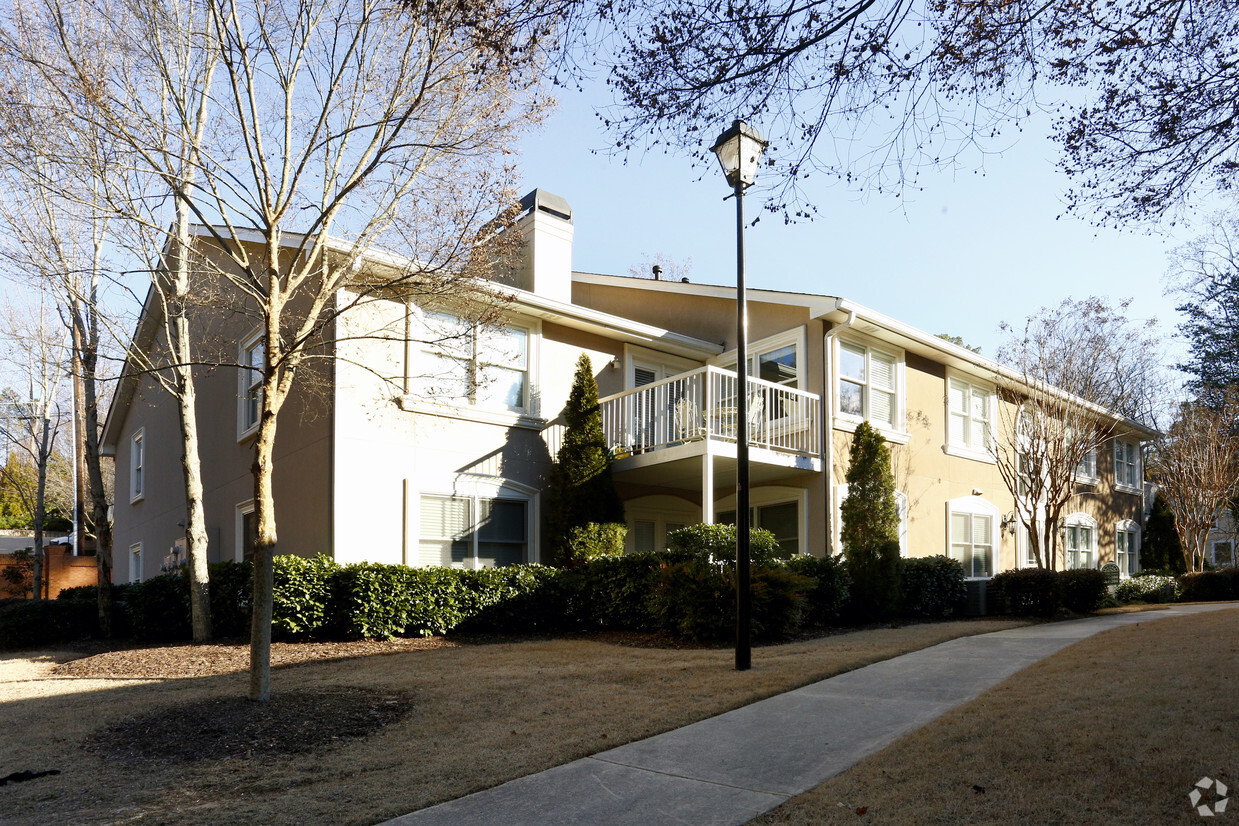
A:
(707, 485)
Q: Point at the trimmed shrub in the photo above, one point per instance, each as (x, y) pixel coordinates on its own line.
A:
(1026, 592)
(828, 593)
(717, 543)
(1082, 589)
(1210, 586)
(697, 601)
(876, 582)
(370, 600)
(517, 599)
(301, 591)
(1153, 589)
(88, 595)
(232, 589)
(158, 608)
(439, 600)
(614, 592)
(932, 586)
(595, 540)
(26, 623)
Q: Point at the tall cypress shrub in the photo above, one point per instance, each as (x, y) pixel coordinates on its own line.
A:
(585, 515)
(1159, 546)
(870, 527)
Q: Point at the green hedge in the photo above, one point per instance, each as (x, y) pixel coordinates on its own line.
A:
(1026, 592)
(27, 623)
(829, 591)
(933, 586)
(1210, 586)
(717, 543)
(697, 600)
(1082, 589)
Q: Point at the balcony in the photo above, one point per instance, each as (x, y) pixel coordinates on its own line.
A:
(694, 414)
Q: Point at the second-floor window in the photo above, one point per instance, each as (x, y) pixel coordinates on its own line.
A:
(1127, 463)
(464, 363)
(969, 414)
(867, 385)
(137, 465)
(250, 391)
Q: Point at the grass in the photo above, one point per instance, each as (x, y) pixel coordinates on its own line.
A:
(1114, 729)
(482, 715)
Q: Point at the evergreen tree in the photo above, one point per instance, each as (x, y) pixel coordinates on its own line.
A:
(870, 526)
(584, 511)
(1159, 547)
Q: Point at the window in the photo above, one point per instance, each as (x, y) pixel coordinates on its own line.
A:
(1086, 471)
(1127, 548)
(969, 419)
(1079, 536)
(1223, 553)
(1126, 464)
(473, 532)
(465, 363)
(782, 520)
(137, 465)
(249, 394)
(867, 387)
(135, 562)
(247, 532)
(973, 527)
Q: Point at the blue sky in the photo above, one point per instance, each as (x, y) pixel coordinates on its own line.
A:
(971, 249)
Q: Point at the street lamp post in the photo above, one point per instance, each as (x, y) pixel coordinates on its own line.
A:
(739, 151)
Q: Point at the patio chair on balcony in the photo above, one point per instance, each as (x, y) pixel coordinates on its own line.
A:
(690, 425)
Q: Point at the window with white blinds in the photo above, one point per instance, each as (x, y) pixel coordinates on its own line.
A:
(972, 543)
(473, 532)
(867, 386)
(969, 416)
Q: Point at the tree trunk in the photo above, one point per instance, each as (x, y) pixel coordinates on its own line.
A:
(264, 552)
(191, 466)
(40, 509)
(85, 357)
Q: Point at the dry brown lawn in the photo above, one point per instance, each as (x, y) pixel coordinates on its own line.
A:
(480, 714)
(1115, 729)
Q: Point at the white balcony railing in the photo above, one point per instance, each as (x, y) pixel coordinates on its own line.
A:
(701, 404)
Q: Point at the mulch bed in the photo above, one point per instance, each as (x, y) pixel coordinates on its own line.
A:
(293, 722)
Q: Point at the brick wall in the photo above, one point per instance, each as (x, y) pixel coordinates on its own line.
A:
(61, 569)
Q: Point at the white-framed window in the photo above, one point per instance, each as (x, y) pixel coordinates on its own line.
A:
(973, 535)
(651, 518)
(137, 464)
(249, 384)
(1223, 552)
(1086, 471)
(1079, 538)
(473, 531)
(246, 531)
(780, 518)
(1127, 547)
(1127, 465)
(135, 562)
(970, 416)
(901, 504)
(869, 386)
(463, 363)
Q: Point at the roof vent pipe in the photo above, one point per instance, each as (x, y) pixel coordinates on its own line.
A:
(658, 273)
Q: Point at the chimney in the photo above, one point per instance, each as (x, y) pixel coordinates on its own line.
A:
(546, 226)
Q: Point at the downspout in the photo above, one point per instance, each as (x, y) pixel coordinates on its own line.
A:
(828, 424)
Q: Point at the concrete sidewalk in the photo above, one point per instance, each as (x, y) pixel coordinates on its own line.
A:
(731, 768)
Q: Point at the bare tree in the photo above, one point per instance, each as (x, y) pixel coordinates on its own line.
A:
(1205, 272)
(33, 350)
(1196, 465)
(1080, 374)
(307, 136)
(52, 235)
